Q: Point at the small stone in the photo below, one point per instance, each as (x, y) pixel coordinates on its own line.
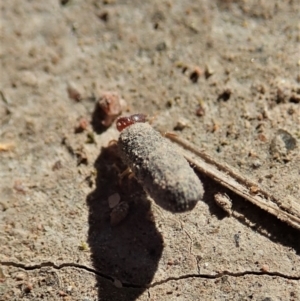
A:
(69, 289)
(262, 138)
(62, 293)
(282, 143)
(264, 268)
(225, 95)
(208, 72)
(260, 252)
(82, 125)
(118, 283)
(81, 156)
(237, 239)
(20, 276)
(267, 299)
(2, 276)
(119, 213)
(256, 164)
(200, 111)
(57, 165)
(180, 125)
(104, 16)
(114, 200)
(74, 92)
(28, 287)
(254, 189)
(29, 79)
(196, 73)
(161, 46)
(110, 106)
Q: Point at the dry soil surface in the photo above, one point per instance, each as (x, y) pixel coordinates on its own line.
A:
(222, 74)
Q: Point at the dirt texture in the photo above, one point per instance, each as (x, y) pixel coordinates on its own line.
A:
(222, 74)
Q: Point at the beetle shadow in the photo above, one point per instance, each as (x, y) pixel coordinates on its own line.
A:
(251, 216)
(125, 256)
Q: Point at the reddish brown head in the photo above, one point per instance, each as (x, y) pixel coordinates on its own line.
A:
(124, 122)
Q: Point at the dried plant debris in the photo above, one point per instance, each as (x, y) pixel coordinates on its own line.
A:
(5, 147)
(224, 202)
(160, 168)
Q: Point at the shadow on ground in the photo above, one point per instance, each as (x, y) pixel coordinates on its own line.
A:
(125, 256)
(259, 220)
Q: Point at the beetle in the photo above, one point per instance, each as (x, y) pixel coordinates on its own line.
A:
(158, 165)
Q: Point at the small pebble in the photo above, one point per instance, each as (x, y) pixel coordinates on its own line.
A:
(29, 78)
(282, 143)
(256, 164)
(254, 189)
(20, 276)
(118, 283)
(2, 276)
(62, 293)
(200, 111)
(114, 200)
(260, 252)
(82, 125)
(225, 95)
(208, 72)
(161, 46)
(237, 239)
(264, 268)
(104, 16)
(180, 125)
(74, 92)
(196, 73)
(69, 289)
(119, 213)
(28, 287)
(57, 165)
(111, 105)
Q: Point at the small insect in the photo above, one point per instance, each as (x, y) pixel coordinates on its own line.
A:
(123, 122)
(156, 163)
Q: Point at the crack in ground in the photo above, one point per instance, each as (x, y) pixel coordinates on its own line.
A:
(139, 286)
(51, 264)
(226, 273)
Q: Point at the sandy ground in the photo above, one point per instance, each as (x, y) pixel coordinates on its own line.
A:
(224, 74)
